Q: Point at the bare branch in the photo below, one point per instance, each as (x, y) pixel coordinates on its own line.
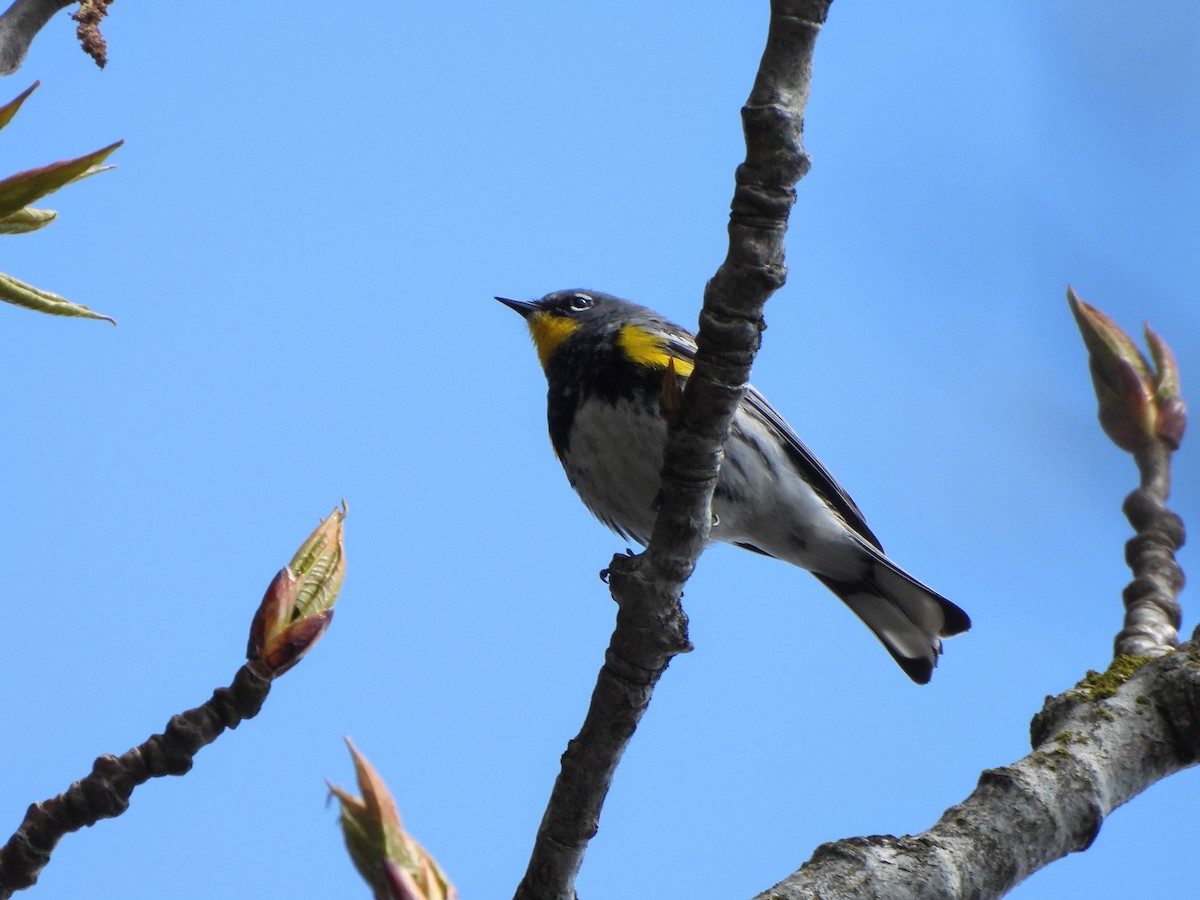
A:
(1152, 612)
(19, 25)
(1101, 743)
(651, 625)
(105, 792)
(1095, 747)
(293, 614)
(1142, 411)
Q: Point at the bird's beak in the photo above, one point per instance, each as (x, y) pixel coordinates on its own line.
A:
(524, 307)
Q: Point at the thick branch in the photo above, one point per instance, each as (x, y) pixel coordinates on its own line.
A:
(1092, 752)
(651, 625)
(105, 792)
(1096, 746)
(18, 27)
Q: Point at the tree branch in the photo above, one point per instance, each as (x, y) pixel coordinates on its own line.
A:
(105, 792)
(1096, 747)
(1141, 409)
(1152, 612)
(651, 625)
(293, 614)
(19, 24)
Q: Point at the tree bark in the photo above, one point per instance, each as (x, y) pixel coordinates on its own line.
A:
(651, 626)
(1096, 747)
(19, 25)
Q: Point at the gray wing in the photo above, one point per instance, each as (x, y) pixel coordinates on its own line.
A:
(681, 343)
(810, 467)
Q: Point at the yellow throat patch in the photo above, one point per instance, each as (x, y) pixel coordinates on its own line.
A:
(548, 333)
(646, 348)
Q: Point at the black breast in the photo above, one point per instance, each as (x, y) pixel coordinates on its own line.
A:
(592, 369)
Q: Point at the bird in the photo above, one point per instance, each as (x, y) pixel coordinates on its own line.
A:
(606, 360)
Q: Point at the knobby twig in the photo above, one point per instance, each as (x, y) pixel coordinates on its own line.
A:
(651, 626)
(1101, 743)
(105, 792)
(1141, 409)
(19, 24)
(1152, 612)
(1095, 748)
(293, 614)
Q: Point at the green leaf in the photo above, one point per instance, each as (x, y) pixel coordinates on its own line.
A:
(26, 220)
(87, 173)
(21, 189)
(9, 109)
(26, 295)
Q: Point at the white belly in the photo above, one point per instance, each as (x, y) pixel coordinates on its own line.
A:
(614, 462)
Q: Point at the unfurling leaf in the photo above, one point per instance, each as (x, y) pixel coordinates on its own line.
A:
(298, 604)
(1137, 403)
(1172, 412)
(386, 856)
(26, 295)
(17, 217)
(26, 220)
(9, 109)
(23, 188)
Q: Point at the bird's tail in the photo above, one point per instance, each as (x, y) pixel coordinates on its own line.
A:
(909, 618)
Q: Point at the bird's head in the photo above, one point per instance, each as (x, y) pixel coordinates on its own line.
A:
(555, 317)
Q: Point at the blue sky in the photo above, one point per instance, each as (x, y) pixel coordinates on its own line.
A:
(301, 242)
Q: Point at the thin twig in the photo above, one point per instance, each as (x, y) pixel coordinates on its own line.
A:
(105, 792)
(1141, 409)
(651, 626)
(1152, 613)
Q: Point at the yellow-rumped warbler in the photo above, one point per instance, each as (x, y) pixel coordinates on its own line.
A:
(605, 361)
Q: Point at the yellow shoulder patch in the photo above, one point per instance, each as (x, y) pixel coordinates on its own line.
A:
(646, 348)
(548, 333)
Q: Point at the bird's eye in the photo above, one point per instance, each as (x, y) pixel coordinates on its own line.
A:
(580, 302)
